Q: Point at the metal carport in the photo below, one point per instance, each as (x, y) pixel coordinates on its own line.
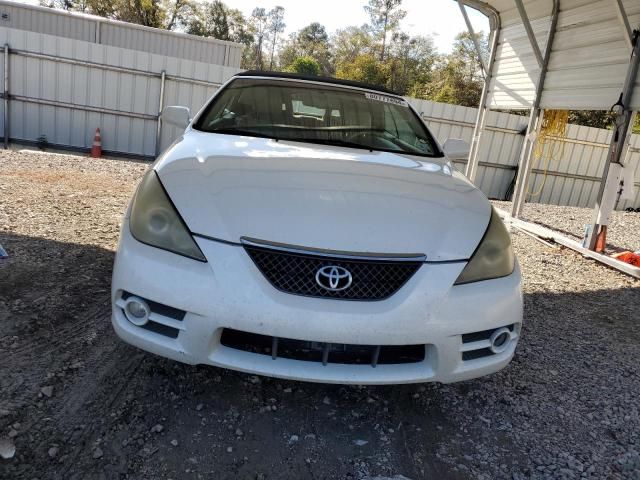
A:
(562, 54)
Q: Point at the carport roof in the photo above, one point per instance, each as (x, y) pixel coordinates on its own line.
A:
(588, 60)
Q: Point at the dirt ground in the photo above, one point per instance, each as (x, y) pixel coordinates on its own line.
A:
(77, 403)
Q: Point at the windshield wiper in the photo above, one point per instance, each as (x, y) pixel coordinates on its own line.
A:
(336, 143)
(240, 131)
(320, 141)
(253, 133)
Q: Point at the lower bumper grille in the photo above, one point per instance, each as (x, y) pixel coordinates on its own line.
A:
(485, 343)
(163, 320)
(325, 353)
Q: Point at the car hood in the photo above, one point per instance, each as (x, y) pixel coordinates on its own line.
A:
(325, 197)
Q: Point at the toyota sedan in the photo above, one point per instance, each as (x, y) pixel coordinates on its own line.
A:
(313, 229)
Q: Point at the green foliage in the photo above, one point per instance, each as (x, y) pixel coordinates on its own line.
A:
(592, 118)
(350, 42)
(216, 20)
(457, 77)
(304, 66)
(311, 41)
(149, 13)
(364, 68)
(410, 63)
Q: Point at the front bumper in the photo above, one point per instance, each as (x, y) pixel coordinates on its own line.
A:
(229, 292)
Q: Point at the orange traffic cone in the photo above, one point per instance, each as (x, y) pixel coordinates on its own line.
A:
(96, 148)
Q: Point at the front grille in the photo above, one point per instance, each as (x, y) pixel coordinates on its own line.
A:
(321, 352)
(295, 273)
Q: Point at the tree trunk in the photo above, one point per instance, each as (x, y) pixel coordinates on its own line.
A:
(259, 54)
(384, 36)
(273, 49)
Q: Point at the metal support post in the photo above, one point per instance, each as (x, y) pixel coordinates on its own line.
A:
(535, 121)
(478, 129)
(6, 96)
(526, 161)
(624, 20)
(619, 138)
(160, 107)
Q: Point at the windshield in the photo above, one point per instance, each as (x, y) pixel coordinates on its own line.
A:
(309, 112)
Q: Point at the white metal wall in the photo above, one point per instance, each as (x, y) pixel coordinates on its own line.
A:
(572, 177)
(63, 89)
(94, 29)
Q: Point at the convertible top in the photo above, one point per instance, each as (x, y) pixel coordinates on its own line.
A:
(297, 76)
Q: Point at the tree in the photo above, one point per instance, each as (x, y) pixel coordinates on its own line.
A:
(351, 42)
(149, 13)
(217, 20)
(410, 63)
(276, 26)
(67, 5)
(258, 23)
(211, 20)
(178, 13)
(385, 16)
(457, 77)
(143, 12)
(311, 41)
(304, 66)
(364, 68)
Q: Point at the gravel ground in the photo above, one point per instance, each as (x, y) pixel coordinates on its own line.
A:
(77, 403)
(623, 232)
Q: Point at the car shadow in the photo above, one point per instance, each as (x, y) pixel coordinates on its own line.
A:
(116, 411)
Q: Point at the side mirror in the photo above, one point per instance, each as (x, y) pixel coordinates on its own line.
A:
(178, 116)
(456, 149)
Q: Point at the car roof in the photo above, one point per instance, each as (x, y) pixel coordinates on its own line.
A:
(313, 78)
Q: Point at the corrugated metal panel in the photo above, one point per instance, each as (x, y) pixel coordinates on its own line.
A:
(57, 96)
(119, 34)
(500, 146)
(27, 17)
(588, 61)
(590, 58)
(570, 177)
(516, 71)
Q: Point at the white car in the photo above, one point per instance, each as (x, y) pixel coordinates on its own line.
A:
(313, 229)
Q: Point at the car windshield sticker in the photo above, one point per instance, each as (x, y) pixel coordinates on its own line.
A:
(383, 98)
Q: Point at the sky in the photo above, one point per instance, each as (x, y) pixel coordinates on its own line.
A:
(439, 18)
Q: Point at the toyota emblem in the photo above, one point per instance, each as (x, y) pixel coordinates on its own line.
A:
(333, 278)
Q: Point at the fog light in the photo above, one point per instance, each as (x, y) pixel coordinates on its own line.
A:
(500, 340)
(137, 311)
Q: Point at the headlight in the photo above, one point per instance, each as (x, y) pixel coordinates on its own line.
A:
(494, 256)
(155, 221)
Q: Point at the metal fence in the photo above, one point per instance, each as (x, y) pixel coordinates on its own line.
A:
(57, 90)
(571, 177)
